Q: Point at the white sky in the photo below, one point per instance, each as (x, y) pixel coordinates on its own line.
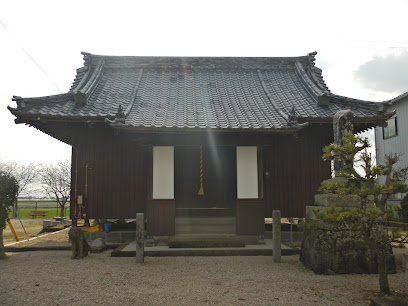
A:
(346, 34)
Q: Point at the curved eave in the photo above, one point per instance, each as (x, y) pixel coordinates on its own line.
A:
(358, 104)
(131, 128)
(379, 119)
(23, 116)
(31, 119)
(23, 102)
(360, 123)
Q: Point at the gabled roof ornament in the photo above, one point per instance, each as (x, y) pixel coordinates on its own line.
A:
(120, 115)
(19, 101)
(292, 117)
(312, 57)
(292, 120)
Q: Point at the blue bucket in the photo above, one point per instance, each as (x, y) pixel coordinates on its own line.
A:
(107, 227)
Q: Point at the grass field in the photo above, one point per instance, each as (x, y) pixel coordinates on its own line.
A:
(51, 212)
(31, 226)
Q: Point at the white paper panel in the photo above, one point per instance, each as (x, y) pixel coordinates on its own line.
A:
(163, 172)
(247, 173)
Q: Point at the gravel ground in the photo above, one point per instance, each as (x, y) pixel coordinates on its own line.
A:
(53, 278)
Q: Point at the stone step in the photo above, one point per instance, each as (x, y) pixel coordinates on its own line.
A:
(205, 220)
(208, 236)
(226, 229)
(205, 242)
(205, 225)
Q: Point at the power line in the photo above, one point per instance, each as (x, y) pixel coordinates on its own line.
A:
(381, 41)
(41, 69)
(3, 25)
(30, 57)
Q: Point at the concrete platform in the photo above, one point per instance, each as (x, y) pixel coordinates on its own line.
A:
(129, 250)
(115, 236)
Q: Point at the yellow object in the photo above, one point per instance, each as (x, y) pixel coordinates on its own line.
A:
(12, 230)
(92, 229)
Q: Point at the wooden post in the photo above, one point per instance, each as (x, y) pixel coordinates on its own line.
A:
(406, 273)
(291, 230)
(12, 230)
(276, 235)
(139, 238)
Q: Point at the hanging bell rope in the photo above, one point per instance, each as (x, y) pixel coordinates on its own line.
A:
(201, 191)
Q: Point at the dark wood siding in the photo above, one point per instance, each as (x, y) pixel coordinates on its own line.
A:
(120, 168)
(296, 170)
(250, 216)
(118, 173)
(161, 217)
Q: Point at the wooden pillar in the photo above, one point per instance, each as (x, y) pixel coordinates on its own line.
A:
(140, 238)
(276, 235)
(406, 273)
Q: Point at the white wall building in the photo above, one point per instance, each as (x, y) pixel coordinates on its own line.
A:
(393, 138)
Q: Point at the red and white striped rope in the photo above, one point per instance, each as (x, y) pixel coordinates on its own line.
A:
(201, 166)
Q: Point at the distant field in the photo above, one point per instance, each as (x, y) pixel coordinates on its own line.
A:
(39, 203)
(51, 212)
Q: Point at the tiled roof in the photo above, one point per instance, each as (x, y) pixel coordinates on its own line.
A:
(197, 93)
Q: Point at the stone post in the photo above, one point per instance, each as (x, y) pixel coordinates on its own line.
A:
(276, 235)
(342, 120)
(139, 238)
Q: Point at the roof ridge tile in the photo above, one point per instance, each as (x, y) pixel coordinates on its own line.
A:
(88, 85)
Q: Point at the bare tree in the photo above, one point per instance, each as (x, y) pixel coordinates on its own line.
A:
(56, 179)
(25, 174)
(8, 167)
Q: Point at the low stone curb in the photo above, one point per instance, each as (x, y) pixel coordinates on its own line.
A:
(48, 248)
(386, 302)
(150, 252)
